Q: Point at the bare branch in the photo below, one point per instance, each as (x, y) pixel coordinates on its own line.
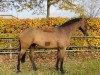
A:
(97, 13)
(53, 2)
(92, 8)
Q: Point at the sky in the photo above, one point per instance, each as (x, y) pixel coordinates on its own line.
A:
(54, 12)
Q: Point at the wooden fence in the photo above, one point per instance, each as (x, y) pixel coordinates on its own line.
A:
(13, 49)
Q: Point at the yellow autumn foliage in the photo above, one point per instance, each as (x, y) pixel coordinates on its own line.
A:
(13, 27)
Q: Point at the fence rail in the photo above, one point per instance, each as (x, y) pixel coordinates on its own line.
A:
(94, 48)
(86, 37)
(72, 37)
(16, 48)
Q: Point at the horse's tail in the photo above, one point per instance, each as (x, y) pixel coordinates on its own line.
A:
(23, 57)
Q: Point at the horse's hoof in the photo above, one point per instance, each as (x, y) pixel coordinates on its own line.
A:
(63, 73)
(56, 69)
(39, 73)
(18, 72)
(35, 69)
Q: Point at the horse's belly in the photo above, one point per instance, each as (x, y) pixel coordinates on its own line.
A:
(46, 41)
(47, 44)
(48, 47)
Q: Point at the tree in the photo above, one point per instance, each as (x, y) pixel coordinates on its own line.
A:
(73, 5)
(34, 5)
(49, 3)
(37, 6)
(92, 8)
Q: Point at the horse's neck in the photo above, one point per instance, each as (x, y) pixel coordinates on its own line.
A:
(70, 29)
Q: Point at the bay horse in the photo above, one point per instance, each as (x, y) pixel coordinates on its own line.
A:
(58, 38)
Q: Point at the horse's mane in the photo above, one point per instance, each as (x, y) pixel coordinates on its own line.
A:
(71, 22)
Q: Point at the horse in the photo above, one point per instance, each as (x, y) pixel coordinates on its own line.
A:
(55, 38)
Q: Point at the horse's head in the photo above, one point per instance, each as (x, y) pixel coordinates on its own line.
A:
(83, 26)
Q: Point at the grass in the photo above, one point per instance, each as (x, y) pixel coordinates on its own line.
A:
(72, 67)
(90, 67)
(80, 63)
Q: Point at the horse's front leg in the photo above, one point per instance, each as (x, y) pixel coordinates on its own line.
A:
(18, 65)
(57, 62)
(61, 56)
(31, 58)
(22, 52)
(61, 65)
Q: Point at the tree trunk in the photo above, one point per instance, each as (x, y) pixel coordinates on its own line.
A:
(48, 8)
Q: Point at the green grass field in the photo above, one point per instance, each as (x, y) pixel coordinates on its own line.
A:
(72, 67)
(81, 63)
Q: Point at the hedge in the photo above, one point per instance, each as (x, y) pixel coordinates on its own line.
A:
(14, 27)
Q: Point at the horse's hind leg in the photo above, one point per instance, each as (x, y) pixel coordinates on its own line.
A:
(23, 58)
(57, 63)
(61, 54)
(22, 52)
(18, 65)
(31, 58)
